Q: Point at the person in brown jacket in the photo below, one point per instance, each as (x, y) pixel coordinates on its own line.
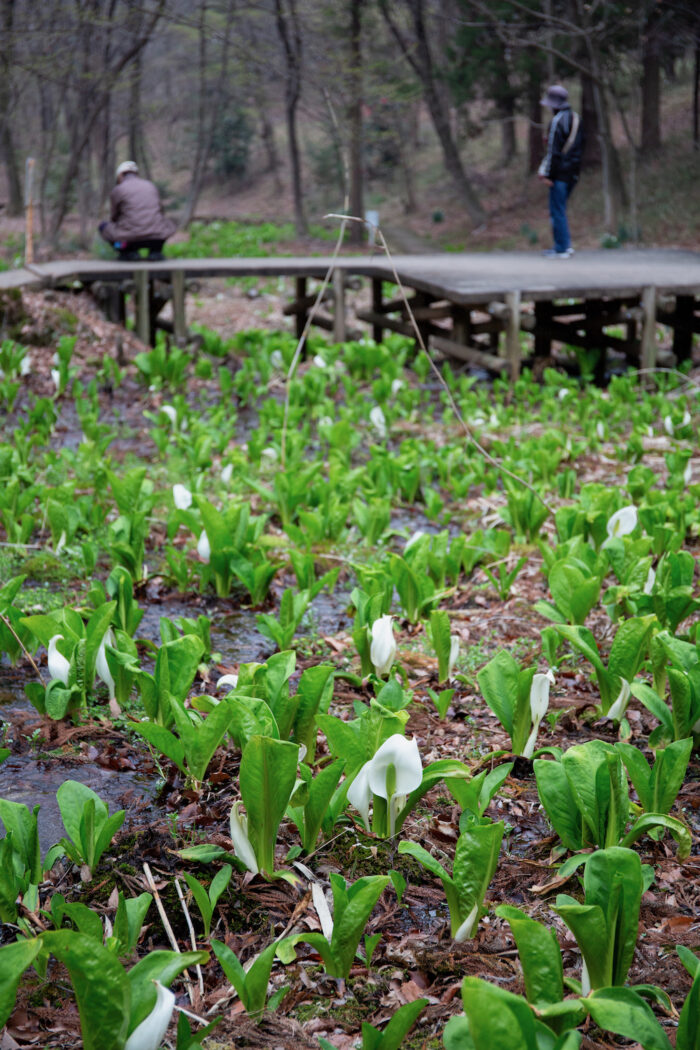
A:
(137, 218)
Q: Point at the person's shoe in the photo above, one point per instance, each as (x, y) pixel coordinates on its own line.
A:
(156, 257)
(129, 256)
(552, 253)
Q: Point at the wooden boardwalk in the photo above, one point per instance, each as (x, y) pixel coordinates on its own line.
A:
(470, 306)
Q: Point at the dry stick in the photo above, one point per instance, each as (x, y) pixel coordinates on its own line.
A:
(167, 927)
(190, 927)
(24, 648)
(421, 342)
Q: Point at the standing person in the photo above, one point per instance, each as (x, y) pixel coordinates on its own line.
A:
(137, 218)
(561, 166)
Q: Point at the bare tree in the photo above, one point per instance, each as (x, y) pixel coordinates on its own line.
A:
(7, 145)
(289, 29)
(415, 46)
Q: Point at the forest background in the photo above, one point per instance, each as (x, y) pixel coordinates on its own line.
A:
(427, 111)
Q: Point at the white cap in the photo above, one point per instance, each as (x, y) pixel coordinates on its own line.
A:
(127, 166)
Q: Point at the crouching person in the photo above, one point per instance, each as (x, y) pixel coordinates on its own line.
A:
(137, 218)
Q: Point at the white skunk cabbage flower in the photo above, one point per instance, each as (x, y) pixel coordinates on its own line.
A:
(466, 930)
(270, 453)
(59, 667)
(413, 538)
(227, 679)
(56, 376)
(227, 473)
(25, 365)
(378, 421)
(204, 547)
(686, 418)
(322, 910)
(668, 425)
(101, 665)
(62, 539)
(618, 709)
(150, 1033)
(688, 473)
(382, 650)
(182, 497)
(563, 393)
(393, 773)
(319, 361)
(454, 654)
(539, 702)
(622, 522)
(276, 359)
(396, 385)
(241, 843)
(170, 413)
(650, 581)
(600, 430)
(585, 980)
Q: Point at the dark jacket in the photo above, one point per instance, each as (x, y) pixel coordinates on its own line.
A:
(562, 161)
(137, 213)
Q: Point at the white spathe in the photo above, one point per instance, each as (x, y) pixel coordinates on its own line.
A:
(378, 421)
(382, 650)
(454, 654)
(241, 843)
(182, 497)
(59, 667)
(204, 547)
(62, 540)
(101, 665)
(539, 702)
(618, 709)
(319, 361)
(650, 581)
(622, 522)
(393, 772)
(227, 473)
(466, 930)
(600, 430)
(413, 538)
(170, 412)
(150, 1033)
(231, 680)
(668, 425)
(322, 910)
(688, 473)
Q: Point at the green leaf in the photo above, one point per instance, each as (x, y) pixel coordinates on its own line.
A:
(163, 966)
(476, 859)
(688, 1035)
(559, 803)
(163, 741)
(622, 1011)
(202, 898)
(648, 821)
(267, 777)
(353, 905)
(400, 1024)
(100, 985)
(498, 682)
(498, 1019)
(540, 956)
(15, 958)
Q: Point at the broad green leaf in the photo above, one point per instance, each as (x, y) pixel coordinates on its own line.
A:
(353, 905)
(267, 777)
(539, 954)
(15, 958)
(163, 966)
(413, 849)
(400, 1024)
(629, 646)
(559, 803)
(498, 1020)
(164, 741)
(476, 859)
(22, 824)
(498, 682)
(688, 1035)
(622, 1011)
(647, 821)
(102, 990)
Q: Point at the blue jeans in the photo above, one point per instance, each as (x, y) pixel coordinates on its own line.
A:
(559, 193)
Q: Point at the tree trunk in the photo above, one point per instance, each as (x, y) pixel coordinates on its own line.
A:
(357, 232)
(137, 140)
(509, 147)
(651, 86)
(535, 136)
(15, 201)
(290, 35)
(417, 53)
(589, 119)
(696, 94)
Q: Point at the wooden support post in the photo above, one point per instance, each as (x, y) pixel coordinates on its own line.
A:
(377, 330)
(300, 294)
(647, 348)
(596, 337)
(177, 278)
(114, 304)
(513, 334)
(543, 328)
(143, 318)
(683, 326)
(461, 317)
(339, 327)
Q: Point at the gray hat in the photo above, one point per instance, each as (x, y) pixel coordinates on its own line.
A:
(126, 167)
(556, 97)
